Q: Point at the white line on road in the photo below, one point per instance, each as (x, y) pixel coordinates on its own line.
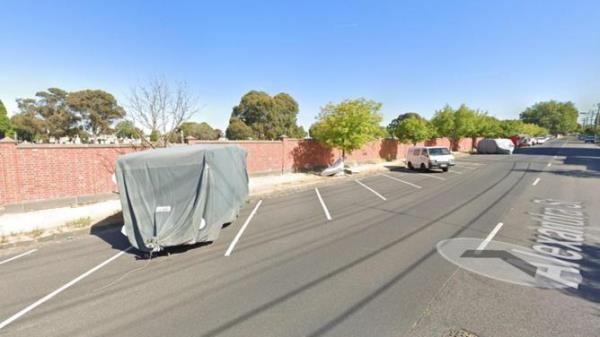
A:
(536, 181)
(239, 234)
(402, 181)
(468, 167)
(59, 290)
(454, 171)
(432, 175)
(370, 189)
(323, 204)
(549, 164)
(490, 237)
(18, 256)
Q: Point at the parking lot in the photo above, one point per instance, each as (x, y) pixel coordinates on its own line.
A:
(357, 258)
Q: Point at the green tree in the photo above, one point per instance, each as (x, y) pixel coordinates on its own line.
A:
(50, 109)
(443, 122)
(201, 131)
(488, 126)
(269, 117)
(557, 117)
(126, 129)
(414, 129)
(5, 125)
(239, 130)
(511, 127)
(98, 110)
(348, 125)
(391, 128)
(154, 136)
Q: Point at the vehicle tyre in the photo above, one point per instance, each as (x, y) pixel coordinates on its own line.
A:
(410, 166)
(445, 169)
(423, 167)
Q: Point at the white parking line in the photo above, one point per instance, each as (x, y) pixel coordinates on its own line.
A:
(490, 236)
(454, 171)
(432, 175)
(59, 290)
(239, 234)
(370, 189)
(536, 181)
(18, 256)
(402, 181)
(323, 204)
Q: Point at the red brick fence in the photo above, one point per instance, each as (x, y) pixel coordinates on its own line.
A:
(40, 176)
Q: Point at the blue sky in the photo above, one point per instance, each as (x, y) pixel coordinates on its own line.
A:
(499, 56)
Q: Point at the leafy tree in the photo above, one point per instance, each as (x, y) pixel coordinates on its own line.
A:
(443, 121)
(201, 131)
(414, 129)
(456, 124)
(394, 123)
(533, 130)
(239, 130)
(47, 115)
(98, 110)
(348, 125)
(28, 126)
(126, 129)
(557, 117)
(269, 117)
(5, 125)
(154, 136)
(511, 127)
(488, 126)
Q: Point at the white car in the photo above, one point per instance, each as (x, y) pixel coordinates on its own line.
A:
(429, 157)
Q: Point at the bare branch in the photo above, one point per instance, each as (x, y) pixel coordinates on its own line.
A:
(157, 108)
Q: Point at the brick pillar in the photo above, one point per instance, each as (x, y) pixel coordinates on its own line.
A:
(8, 171)
(284, 150)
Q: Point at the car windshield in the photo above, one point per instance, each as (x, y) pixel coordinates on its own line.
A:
(439, 151)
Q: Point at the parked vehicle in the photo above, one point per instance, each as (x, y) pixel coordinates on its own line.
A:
(495, 146)
(525, 141)
(180, 195)
(541, 140)
(589, 139)
(429, 157)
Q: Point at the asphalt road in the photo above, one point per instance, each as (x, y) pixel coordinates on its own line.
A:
(379, 267)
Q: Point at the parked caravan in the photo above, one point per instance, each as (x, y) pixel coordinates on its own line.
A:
(180, 195)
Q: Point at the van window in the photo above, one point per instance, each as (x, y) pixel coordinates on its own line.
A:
(416, 152)
(439, 151)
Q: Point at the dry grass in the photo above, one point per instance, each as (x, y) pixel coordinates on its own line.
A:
(35, 233)
(80, 223)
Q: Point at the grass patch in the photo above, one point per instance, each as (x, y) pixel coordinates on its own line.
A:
(80, 223)
(36, 233)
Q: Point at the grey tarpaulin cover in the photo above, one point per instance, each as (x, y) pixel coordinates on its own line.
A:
(495, 146)
(180, 195)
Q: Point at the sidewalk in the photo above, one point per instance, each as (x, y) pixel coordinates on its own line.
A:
(32, 226)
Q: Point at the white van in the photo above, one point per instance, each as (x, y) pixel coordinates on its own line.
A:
(428, 157)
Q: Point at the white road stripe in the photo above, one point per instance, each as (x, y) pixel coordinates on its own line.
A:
(490, 236)
(469, 163)
(468, 168)
(18, 256)
(536, 181)
(370, 189)
(59, 290)
(402, 181)
(432, 175)
(323, 204)
(454, 171)
(239, 234)
(549, 164)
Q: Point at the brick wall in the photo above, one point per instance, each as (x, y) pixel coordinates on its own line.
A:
(46, 172)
